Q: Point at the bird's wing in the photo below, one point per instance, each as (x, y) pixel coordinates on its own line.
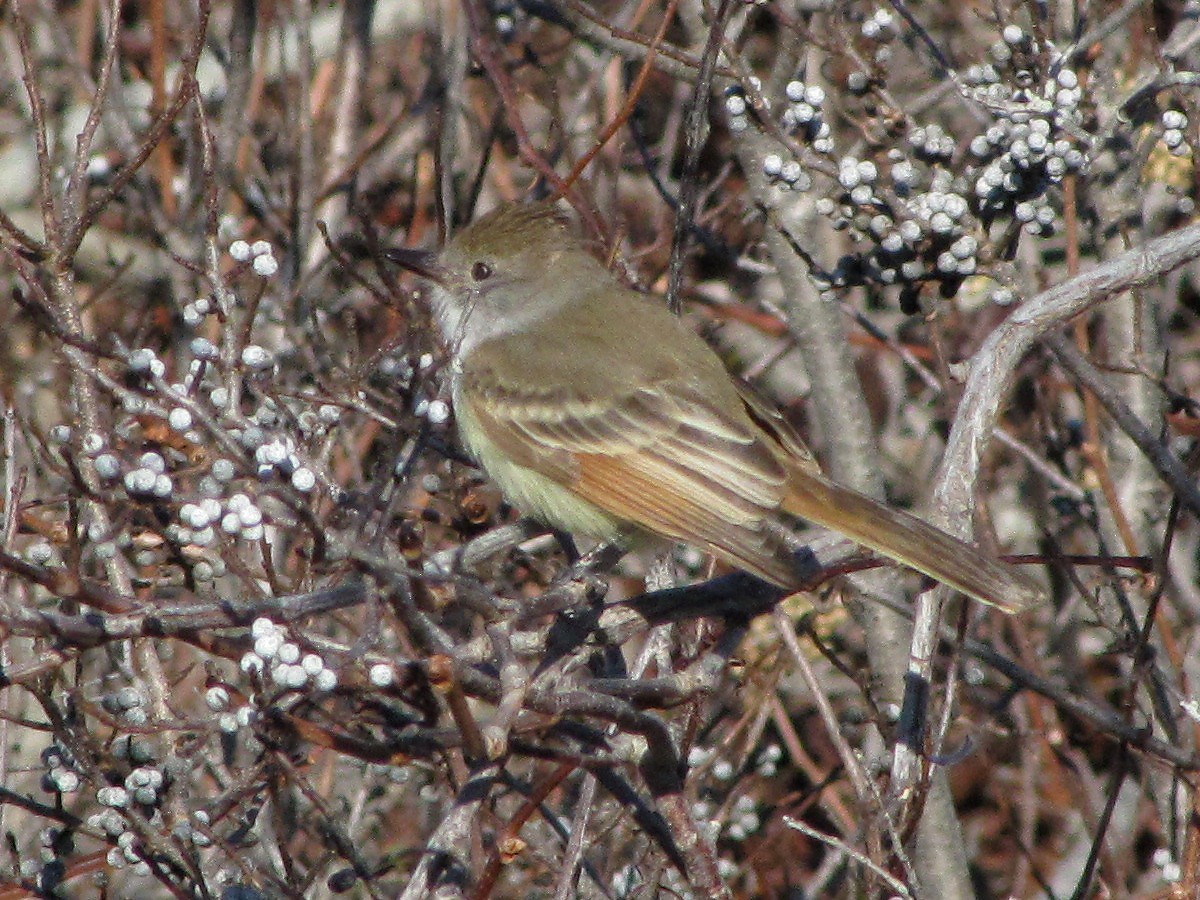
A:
(767, 416)
(659, 453)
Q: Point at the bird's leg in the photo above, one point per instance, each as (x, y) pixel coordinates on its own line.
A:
(567, 543)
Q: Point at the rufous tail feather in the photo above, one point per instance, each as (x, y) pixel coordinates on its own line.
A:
(906, 539)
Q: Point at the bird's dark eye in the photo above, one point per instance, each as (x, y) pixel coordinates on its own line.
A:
(481, 271)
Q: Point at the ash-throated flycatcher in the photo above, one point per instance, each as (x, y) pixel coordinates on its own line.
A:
(598, 411)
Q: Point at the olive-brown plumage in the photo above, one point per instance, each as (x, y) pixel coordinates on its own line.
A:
(598, 411)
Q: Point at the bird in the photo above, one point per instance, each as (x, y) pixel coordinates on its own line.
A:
(599, 412)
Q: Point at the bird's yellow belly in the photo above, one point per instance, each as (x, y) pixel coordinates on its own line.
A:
(533, 493)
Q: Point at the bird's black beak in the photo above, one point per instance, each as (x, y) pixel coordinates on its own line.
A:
(422, 262)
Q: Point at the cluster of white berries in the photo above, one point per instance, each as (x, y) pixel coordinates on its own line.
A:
(143, 785)
(243, 518)
(437, 412)
(230, 720)
(112, 823)
(50, 867)
(196, 521)
(207, 503)
(149, 478)
(194, 312)
(804, 118)
(128, 853)
(283, 662)
(927, 237)
(804, 115)
(1174, 122)
(129, 703)
(737, 106)
(744, 819)
(879, 29)
(881, 25)
(933, 235)
(931, 143)
(260, 255)
(786, 173)
(857, 178)
(61, 776)
(276, 453)
(767, 765)
(1169, 867)
(741, 821)
(144, 361)
(1034, 141)
(186, 831)
(942, 211)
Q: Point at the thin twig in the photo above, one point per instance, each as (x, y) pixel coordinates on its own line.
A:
(1168, 466)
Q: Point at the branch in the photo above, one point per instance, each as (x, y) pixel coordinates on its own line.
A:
(994, 366)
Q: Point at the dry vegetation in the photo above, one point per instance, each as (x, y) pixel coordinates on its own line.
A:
(266, 633)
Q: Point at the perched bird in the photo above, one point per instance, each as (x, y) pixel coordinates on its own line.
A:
(599, 412)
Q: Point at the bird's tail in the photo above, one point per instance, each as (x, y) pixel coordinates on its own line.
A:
(906, 539)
